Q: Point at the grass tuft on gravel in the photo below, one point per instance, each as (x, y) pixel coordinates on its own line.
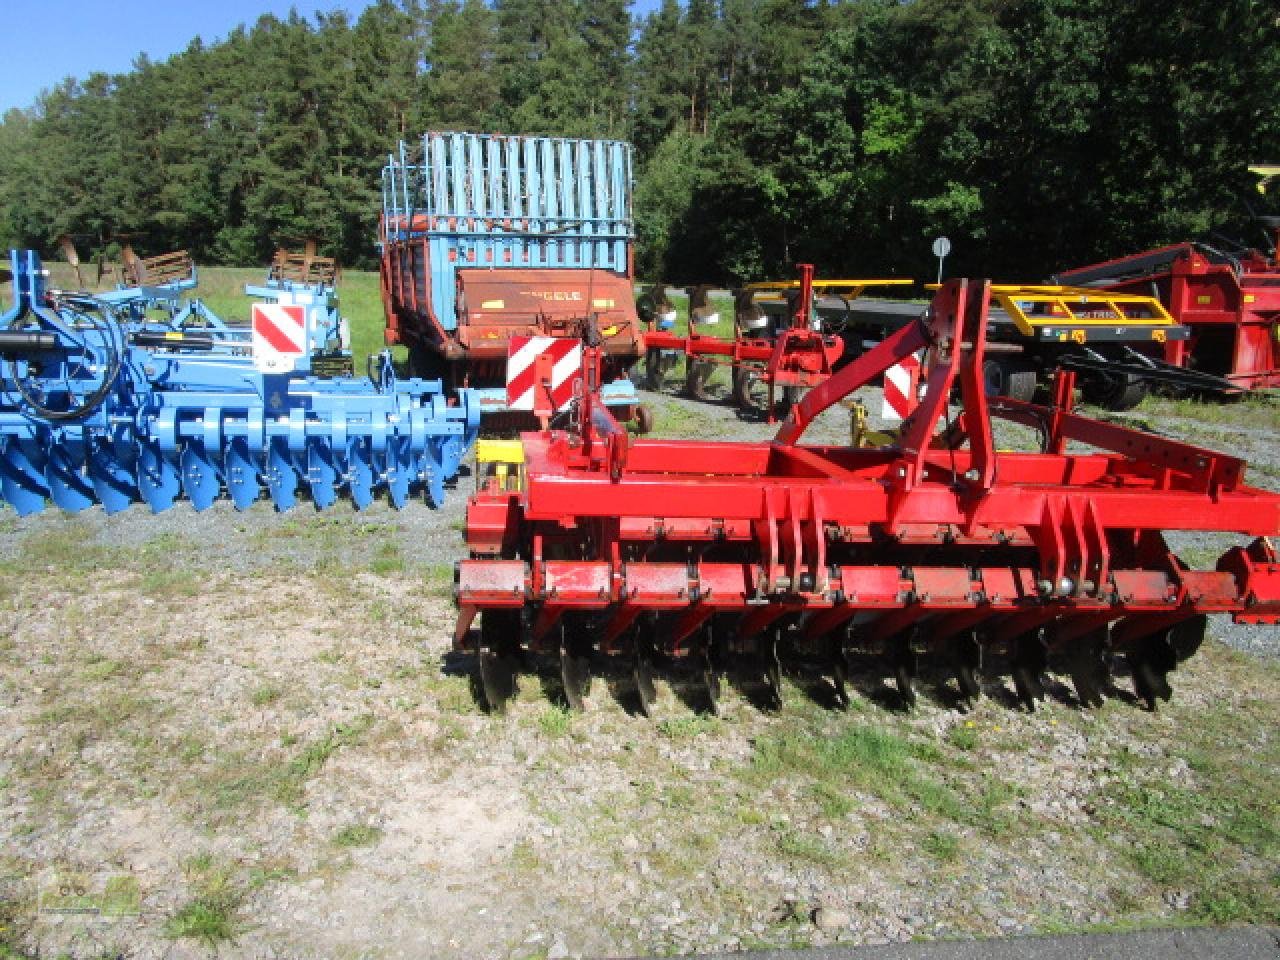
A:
(210, 916)
(357, 835)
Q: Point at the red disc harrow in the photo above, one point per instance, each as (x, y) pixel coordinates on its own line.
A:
(938, 549)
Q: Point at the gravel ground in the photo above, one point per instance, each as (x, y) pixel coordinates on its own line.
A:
(245, 733)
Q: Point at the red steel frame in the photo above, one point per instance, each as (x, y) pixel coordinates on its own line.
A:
(924, 538)
(799, 357)
(1233, 310)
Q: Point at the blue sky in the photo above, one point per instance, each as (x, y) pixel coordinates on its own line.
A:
(55, 39)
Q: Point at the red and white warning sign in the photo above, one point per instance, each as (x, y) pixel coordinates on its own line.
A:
(542, 372)
(901, 388)
(279, 336)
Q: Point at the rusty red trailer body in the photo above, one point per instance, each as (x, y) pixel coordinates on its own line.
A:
(486, 238)
(666, 550)
(1231, 304)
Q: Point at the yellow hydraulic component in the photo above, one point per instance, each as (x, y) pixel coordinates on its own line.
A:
(850, 288)
(500, 464)
(1076, 308)
(1266, 172)
(860, 433)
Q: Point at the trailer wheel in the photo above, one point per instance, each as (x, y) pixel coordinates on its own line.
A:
(751, 394)
(644, 418)
(695, 381)
(1006, 376)
(1114, 393)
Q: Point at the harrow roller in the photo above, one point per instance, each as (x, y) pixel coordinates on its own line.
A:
(936, 550)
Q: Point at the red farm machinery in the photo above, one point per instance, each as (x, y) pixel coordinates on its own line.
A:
(773, 356)
(1229, 302)
(495, 246)
(1228, 299)
(726, 560)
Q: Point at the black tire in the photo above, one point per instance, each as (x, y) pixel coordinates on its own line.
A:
(644, 418)
(751, 394)
(1009, 376)
(655, 369)
(696, 377)
(1114, 393)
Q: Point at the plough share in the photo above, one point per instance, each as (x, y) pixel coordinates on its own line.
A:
(939, 546)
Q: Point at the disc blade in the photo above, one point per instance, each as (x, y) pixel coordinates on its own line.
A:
(282, 478)
(359, 473)
(112, 477)
(399, 471)
(772, 669)
(642, 673)
(710, 681)
(433, 475)
(158, 480)
(839, 666)
(200, 481)
(321, 472)
(68, 486)
(20, 478)
(966, 656)
(575, 667)
(242, 476)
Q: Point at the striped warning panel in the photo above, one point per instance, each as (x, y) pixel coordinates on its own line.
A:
(542, 372)
(279, 336)
(901, 385)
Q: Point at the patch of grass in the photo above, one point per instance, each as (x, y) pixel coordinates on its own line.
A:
(241, 779)
(63, 549)
(805, 846)
(1214, 832)
(900, 772)
(439, 580)
(835, 804)
(688, 725)
(100, 668)
(105, 715)
(166, 566)
(555, 721)
(190, 748)
(357, 835)
(942, 846)
(964, 737)
(524, 858)
(387, 559)
(1252, 412)
(209, 916)
(672, 419)
(265, 695)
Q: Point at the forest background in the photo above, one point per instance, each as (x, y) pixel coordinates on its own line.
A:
(1035, 134)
